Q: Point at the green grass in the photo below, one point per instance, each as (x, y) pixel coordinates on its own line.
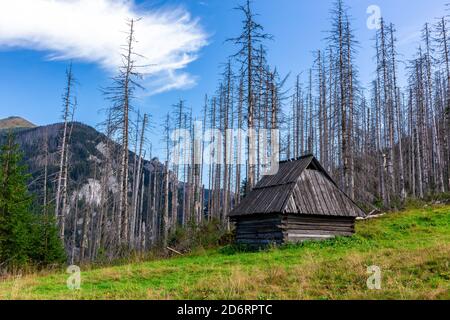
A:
(412, 248)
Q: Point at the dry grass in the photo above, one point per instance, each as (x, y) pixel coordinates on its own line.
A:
(406, 274)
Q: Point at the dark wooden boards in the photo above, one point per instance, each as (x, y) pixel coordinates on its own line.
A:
(288, 172)
(314, 194)
(262, 230)
(300, 187)
(259, 230)
(266, 200)
(301, 228)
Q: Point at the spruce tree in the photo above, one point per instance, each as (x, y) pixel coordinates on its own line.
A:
(15, 203)
(46, 247)
(25, 237)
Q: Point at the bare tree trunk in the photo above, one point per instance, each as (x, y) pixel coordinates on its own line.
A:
(74, 231)
(126, 86)
(397, 103)
(45, 191)
(351, 160)
(165, 221)
(137, 180)
(165, 217)
(59, 214)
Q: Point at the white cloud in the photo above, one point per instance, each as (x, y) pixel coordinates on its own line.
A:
(94, 30)
(410, 38)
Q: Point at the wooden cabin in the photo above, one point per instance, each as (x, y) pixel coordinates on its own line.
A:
(301, 202)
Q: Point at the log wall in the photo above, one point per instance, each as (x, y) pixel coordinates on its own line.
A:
(259, 230)
(302, 228)
(263, 230)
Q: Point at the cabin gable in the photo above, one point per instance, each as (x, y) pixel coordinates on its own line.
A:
(315, 194)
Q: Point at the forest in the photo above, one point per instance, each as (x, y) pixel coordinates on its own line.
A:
(384, 144)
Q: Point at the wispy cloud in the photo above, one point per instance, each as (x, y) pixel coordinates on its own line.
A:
(93, 31)
(409, 38)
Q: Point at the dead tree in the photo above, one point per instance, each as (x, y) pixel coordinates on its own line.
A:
(61, 185)
(165, 217)
(121, 94)
(248, 43)
(137, 181)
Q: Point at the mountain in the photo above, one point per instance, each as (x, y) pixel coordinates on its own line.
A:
(87, 156)
(93, 188)
(15, 123)
(93, 192)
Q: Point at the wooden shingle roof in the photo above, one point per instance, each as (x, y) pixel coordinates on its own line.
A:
(301, 186)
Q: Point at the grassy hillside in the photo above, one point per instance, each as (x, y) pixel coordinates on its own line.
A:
(412, 248)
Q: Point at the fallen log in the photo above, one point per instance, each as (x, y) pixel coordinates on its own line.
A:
(174, 251)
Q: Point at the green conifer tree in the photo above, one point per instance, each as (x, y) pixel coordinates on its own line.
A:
(25, 237)
(15, 203)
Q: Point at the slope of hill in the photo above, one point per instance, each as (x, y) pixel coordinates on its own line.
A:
(92, 176)
(86, 154)
(15, 123)
(412, 249)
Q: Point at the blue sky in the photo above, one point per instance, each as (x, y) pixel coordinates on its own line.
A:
(31, 83)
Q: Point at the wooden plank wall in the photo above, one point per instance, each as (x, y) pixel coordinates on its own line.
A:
(263, 230)
(301, 228)
(314, 194)
(259, 230)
